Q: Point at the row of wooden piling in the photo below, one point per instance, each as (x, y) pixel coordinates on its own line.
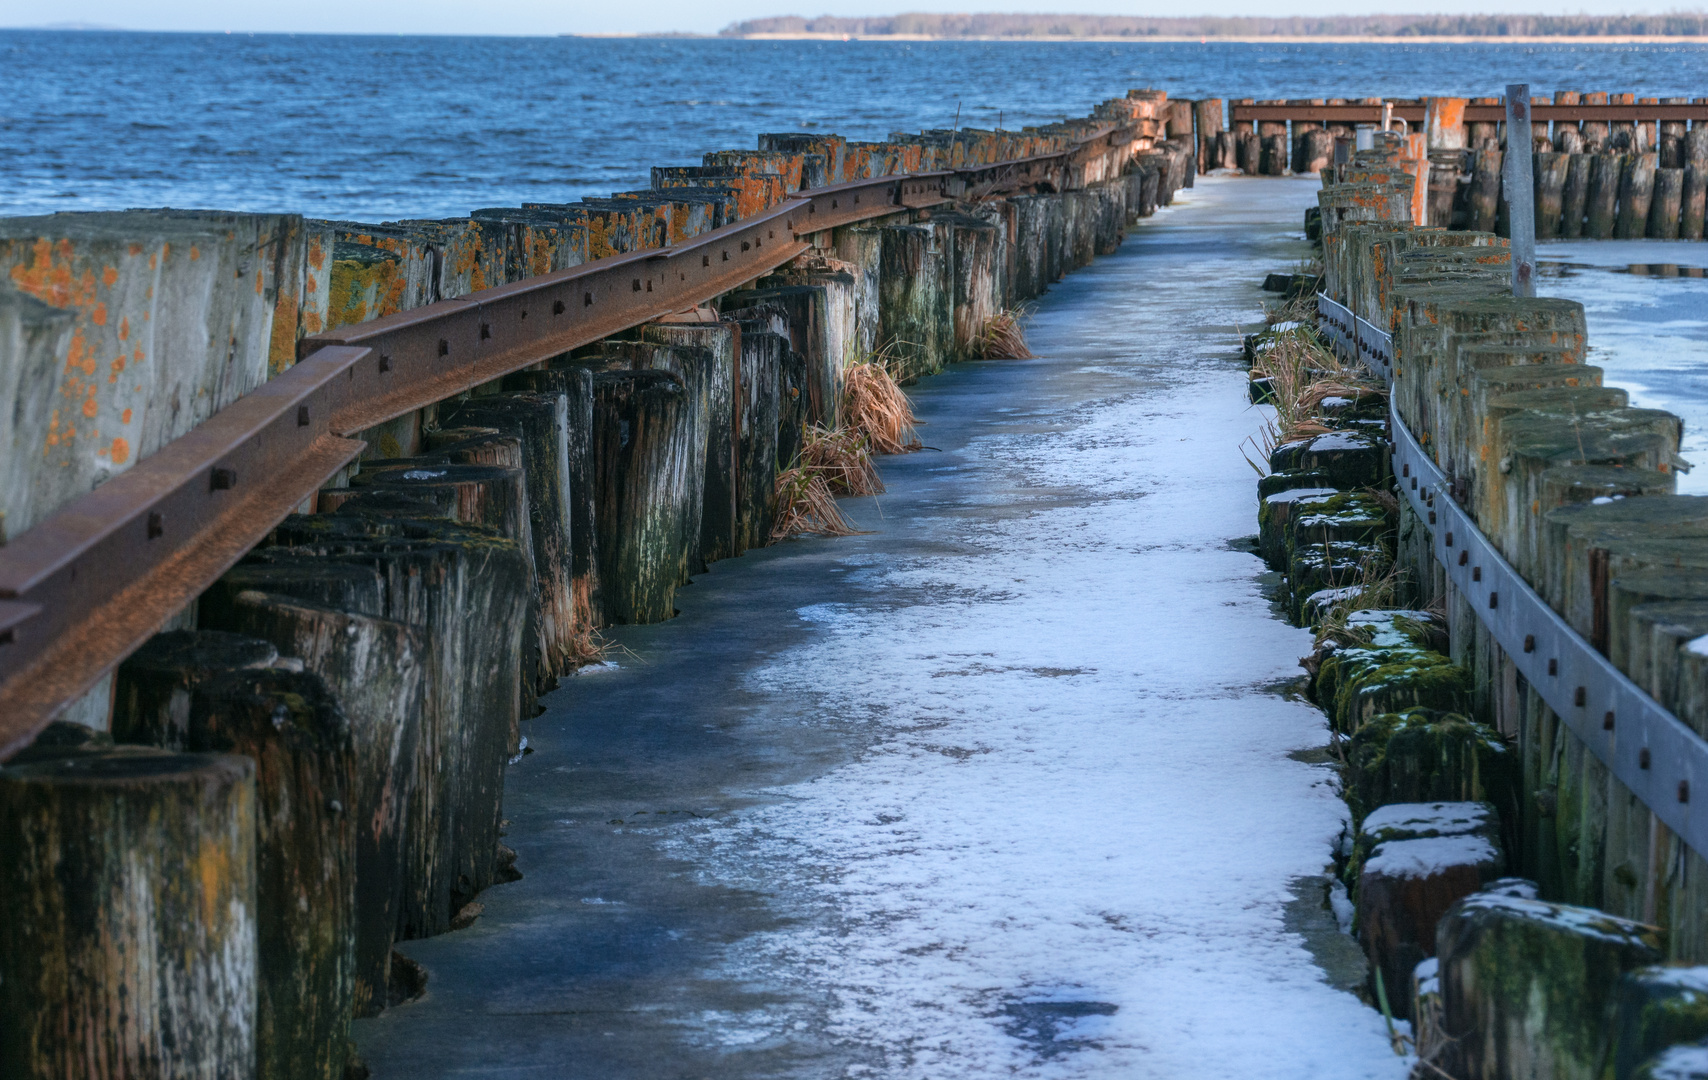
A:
(1612, 194)
(309, 766)
(1434, 722)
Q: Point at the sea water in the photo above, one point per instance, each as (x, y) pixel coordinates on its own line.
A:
(380, 128)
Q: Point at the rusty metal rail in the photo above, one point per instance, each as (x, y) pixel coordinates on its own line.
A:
(85, 587)
(1413, 113)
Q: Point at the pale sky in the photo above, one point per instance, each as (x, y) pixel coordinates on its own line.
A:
(549, 17)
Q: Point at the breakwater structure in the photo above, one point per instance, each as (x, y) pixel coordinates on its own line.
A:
(302, 517)
(1506, 593)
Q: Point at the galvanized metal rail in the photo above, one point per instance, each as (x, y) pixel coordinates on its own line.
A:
(85, 587)
(1652, 752)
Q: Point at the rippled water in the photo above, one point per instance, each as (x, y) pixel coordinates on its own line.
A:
(389, 127)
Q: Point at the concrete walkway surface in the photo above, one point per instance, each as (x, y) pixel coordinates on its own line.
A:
(1011, 786)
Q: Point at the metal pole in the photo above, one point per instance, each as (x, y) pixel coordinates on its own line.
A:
(1520, 190)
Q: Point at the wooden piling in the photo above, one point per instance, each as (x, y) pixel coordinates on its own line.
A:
(1693, 203)
(1636, 191)
(1550, 180)
(434, 574)
(208, 692)
(641, 434)
(1250, 153)
(915, 297)
(1665, 210)
(1207, 115)
(374, 667)
(1574, 194)
(128, 947)
(693, 367)
(1483, 200)
(574, 380)
(718, 341)
(1604, 183)
(540, 421)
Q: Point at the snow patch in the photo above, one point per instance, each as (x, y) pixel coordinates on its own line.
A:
(1428, 856)
(1443, 818)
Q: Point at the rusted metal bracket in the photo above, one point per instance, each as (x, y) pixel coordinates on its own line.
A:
(83, 588)
(89, 584)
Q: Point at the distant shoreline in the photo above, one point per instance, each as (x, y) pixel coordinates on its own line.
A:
(1241, 39)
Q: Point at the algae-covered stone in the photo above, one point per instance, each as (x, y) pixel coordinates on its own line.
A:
(1426, 755)
(1369, 637)
(1371, 682)
(1273, 513)
(1289, 479)
(1658, 1007)
(1331, 564)
(1528, 987)
(1351, 459)
(1350, 517)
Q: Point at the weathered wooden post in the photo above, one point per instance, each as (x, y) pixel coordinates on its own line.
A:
(316, 610)
(435, 572)
(641, 440)
(1520, 190)
(1574, 194)
(718, 514)
(1595, 132)
(574, 381)
(128, 947)
(1550, 193)
(206, 691)
(1665, 209)
(1316, 150)
(1250, 153)
(1603, 195)
(1483, 132)
(541, 423)
(1483, 201)
(1207, 114)
(1692, 208)
(1636, 192)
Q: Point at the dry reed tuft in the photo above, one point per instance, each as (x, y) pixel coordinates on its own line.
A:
(587, 647)
(843, 457)
(875, 407)
(1379, 587)
(807, 506)
(1002, 338)
(1301, 375)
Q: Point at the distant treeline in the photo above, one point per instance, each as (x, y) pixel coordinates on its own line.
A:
(1121, 26)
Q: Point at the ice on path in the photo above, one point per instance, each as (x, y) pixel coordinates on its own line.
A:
(1067, 850)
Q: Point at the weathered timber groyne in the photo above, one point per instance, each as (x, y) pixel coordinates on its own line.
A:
(361, 492)
(1508, 602)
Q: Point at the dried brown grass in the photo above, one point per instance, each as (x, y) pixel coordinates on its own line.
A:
(587, 647)
(807, 507)
(1380, 585)
(1301, 374)
(874, 406)
(1002, 337)
(843, 456)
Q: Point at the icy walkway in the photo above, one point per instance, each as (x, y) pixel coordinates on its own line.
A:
(1006, 788)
